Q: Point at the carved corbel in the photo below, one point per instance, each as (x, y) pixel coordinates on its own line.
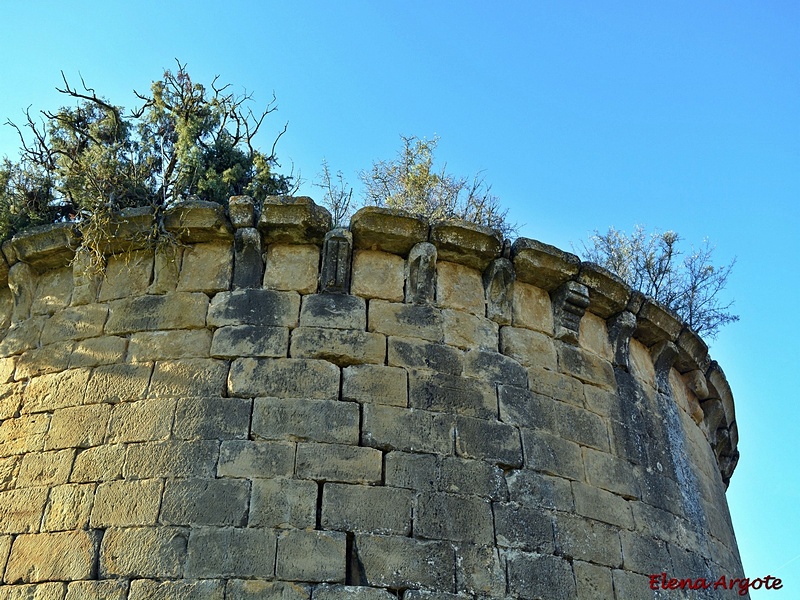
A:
(21, 282)
(421, 274)
(336, 253)
(570, 301)
(498, 284)
(620, 330)
(248, 265)
(664, 354)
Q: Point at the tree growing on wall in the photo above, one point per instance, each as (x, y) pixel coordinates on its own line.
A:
(411, 182)
(653, 263)
(91, 158)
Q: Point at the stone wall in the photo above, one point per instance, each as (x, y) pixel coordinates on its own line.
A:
(271, 409)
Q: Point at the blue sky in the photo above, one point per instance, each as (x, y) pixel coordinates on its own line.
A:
(680, 115)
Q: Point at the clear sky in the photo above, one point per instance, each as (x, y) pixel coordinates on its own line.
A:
(583, 115)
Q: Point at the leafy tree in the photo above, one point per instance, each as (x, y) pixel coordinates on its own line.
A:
(87, 160)
(410, 182)
(690, 284)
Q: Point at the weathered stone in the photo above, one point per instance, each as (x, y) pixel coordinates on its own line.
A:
(154, 552)
(46, 359)
(535, 489)
(126, 503)
(532, 308)
(45, 247)
(212, 418)
(206, 268)
(68, 507)
(293, 220)
(693, 352)
(608, 294)
(45, 468)
(620, 330)
(588, 540)
(655, 323)
(529, 348)
(311, 556)
(641, 363)
(245, 458)
(241, 210)
(40, 591)
(107, 589)
(166, 270)
(610, 473)
(402, 562)
(488, 440)
(718, 387)
(126, 274)
(421, 274)
(254, 307)
(21, 510)
(93, 352)
(419, 472)
(467, 331)
(70, 555)
(664, 354)
(387, 229)
(318, 420)
(339, 346)
(523, 527)
(86, 278)
(593, 336)
(375, 383)
(255, 589)
(231, 552)
(369, 509)
(141, 421)
(9, 467)
(552, 455)
(22, 282)
(283, 503)
(207, 589)
(644, 555)
(53, 291)
(586, 366)
(75, 323)
(460, 288)
(11, 396)
(22, 336)
(498, 283)
(405, 320)
(284, 378)
(336, 462)
(464, 476)
(189, 377)
(479, 570)
(338, 311)
(542, 265)
(570, 301)
(350, 592)
(198, 221)
(78, 427)
(389, 427)
(533, 575)
(527, 409)
(248, 264)
(593, 582)
(170, 459)
(163, 345)
(595, 503)
(467, 243)
(494, 367)
(451, 517)
(177, 310)
(292, 267)
(337, 252)
(448, 393)
(378, 275)
(414, 353)
(101, 463)
(194, 502)
(250, 340)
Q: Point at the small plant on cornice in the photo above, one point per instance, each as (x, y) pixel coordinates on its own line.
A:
(337, 198)
(653, 263)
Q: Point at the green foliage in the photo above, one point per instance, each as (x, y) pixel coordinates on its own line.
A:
(412, 183)
(88, 160)
(654, 264)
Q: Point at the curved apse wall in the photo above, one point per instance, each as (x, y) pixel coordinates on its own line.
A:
(275, 410)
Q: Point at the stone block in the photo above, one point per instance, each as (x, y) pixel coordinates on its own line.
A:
(241, 211)
(45, 468)
(460, 288)
(610, 473)
(414, 353)
(283, 503)
(21, 510)
(531, 308)
(448, 393)
(479, 570)
(523, 527)
(466, 243)
(101, 463)
(402, 562)
(318, 420)
(22, 336)
(588, 540)
(41, 591)
(405, 320)
(383, 510)
(198, 221)
(389, 427)
(536, 489)
(488, 440)
(495, 368)
(53, 291)
(608, 293)
(56, 390)
(78, 427)
(9, 467)
(451, 517)
(163, 345)
(93, 352)
(593, 336)
(248, 261)
(176, 310)
(581, 426)
(556, 385)
(107, 589)
(339, 346)
(248, 459)
(166, 270)
(292, 220)
(189, 377)
(25, 433)
(212, 419)
(126, 503)
(600, 505)
(171, 459)
(542, 265)
(11, 396)
(644, 554)
(7, 366)
(418, 472)
(467, 331)
(52, 358)
(68, 507)
(463, 476)
(311, 556)
(655, 323)
(376, 384)
(533, 575)
(337, 462)
(387, 229)
(75, 323)
(126, 274)
(70, 555)
(146, 589)
(529, 348)
(284, 378)
(378, 275)
(141, 421)
(136, 552)
(552, 455)
(527, 409)
(256, 589)
(350, 592)
(586, 367)
(593, 581)
(118, 383)
(337, 311)
(292, 267)
(234, 341)
(206, 268)
(231, 552)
